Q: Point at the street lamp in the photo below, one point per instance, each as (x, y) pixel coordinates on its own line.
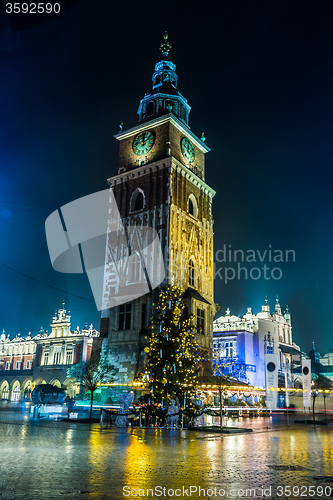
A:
(314, 395)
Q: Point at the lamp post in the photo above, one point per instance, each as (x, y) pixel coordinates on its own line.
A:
(314, 395)
(325, 404)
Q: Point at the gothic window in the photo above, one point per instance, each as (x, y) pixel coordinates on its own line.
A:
(5, 392)
(183, 114)
(125, 313)
(201, 321)
(150, 108)
(137, 200)
(134, 270)
(191, 273)
(192, 206)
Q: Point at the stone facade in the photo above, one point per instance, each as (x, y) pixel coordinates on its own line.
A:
(44, 358)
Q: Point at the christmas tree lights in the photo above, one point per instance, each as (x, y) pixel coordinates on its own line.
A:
(173, 356)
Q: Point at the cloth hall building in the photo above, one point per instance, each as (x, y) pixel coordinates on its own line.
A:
(43, 358)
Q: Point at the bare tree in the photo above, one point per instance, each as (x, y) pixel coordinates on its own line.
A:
(91, 373)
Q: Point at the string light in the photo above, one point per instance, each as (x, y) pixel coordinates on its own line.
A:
(173, 357)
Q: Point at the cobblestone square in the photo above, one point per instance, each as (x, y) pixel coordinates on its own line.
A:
(54, 459)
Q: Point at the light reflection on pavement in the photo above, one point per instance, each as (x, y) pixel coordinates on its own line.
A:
(52, 460)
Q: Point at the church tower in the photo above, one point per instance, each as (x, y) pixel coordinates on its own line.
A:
(161, 184)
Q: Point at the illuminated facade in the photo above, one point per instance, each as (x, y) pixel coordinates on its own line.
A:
(44, 358)
(240, 344)
(161, 184)
(327, 359)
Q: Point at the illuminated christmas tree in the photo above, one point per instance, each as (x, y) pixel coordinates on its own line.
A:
(173, 354)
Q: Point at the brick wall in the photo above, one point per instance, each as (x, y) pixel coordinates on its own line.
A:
(77, 353)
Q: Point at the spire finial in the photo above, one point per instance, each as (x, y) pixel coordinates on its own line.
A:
(266, 300)
(287, 308)
(165, 46)
(277, 299)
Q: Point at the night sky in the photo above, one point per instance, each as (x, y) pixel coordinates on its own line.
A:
(259, 78)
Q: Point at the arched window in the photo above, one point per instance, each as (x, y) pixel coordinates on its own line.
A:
(134, 269)
(5, 391)
(183, 114)
(16, 393)
(192, 206)
(150, 108)
(191, 274)
(168, 105)
(137, 200)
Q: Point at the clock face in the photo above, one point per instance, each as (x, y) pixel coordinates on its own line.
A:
(143, 143)
(187, 150)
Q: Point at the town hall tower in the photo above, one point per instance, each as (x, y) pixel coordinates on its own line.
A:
(161, 184)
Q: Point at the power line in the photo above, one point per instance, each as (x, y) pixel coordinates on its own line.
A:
(45, 284)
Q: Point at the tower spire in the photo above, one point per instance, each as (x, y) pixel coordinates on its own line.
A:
(165, 46)
(164, 98)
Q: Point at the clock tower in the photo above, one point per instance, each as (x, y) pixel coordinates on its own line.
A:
(161, 184)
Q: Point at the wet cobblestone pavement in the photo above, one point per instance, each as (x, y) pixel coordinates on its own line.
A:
(65, 460)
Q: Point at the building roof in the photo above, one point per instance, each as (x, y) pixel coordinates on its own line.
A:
(191, 293)
(221, 381)
(289, 349)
